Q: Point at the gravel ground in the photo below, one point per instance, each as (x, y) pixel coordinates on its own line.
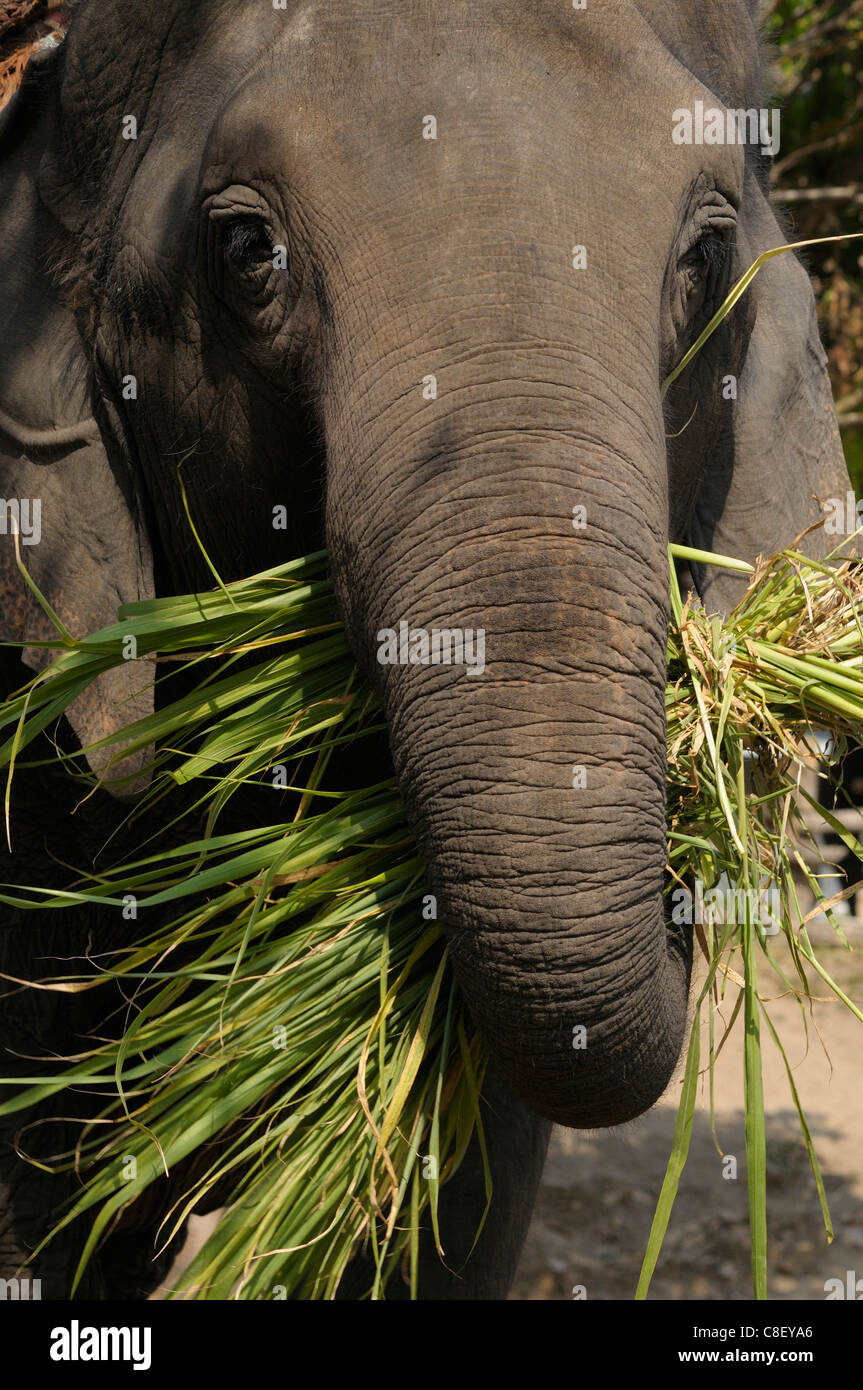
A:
(598, 1194)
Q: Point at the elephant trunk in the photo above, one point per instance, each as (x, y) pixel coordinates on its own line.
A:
(535, 777)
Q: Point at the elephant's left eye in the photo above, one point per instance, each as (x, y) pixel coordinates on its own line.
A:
(247, 245)
(702, 264)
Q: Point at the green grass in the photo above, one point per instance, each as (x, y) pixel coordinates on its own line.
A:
(293, 1025)
(742, 703)
(313, 1026)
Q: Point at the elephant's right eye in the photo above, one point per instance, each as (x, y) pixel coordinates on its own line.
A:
(247, 246)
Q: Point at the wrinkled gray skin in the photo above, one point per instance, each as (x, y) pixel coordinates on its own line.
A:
(410, 258)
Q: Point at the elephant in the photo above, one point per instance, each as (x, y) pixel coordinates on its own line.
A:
(415, 274)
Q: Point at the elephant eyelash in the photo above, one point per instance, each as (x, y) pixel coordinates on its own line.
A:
(246, 244)
(708, 253)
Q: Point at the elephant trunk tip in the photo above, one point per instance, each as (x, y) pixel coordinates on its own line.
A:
(598, 1053)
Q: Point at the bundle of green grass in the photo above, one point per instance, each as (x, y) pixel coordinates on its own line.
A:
(293, 1025)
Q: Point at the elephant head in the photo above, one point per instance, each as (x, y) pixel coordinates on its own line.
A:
(413, 277)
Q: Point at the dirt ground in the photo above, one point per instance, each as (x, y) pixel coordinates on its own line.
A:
(599, 1190)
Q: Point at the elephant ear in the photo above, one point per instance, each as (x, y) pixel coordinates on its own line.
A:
(79, 538)
(774, 454)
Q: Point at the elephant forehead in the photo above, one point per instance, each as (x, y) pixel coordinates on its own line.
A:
(179, 63)
(359, 59)
(349, 80)
(543, 112)
(517, 99)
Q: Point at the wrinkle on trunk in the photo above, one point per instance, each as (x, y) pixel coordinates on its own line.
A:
(537, 788)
